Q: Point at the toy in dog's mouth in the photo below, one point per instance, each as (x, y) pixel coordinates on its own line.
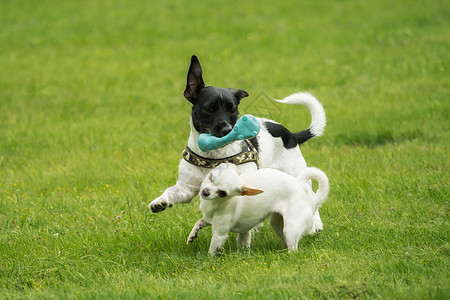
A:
(246, 127)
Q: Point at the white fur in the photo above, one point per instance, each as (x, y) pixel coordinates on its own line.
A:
(318, 119)
(272, 154)
(254, 196)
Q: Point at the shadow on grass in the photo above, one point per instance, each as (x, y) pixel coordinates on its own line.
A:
(375, 139)
(263, 242)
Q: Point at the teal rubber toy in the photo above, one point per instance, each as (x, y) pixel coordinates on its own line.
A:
(246, 127)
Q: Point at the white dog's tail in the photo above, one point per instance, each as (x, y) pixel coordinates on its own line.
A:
(318, 119)
(324, 186)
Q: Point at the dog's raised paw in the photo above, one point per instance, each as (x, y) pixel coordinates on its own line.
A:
(159, 206)
(191, 238)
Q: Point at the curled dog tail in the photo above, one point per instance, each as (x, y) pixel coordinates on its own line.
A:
(324, 186)
(318, 119)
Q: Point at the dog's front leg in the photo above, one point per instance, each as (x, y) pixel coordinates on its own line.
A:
(217, 242)
(179, 193)
(219, 235)
(190, 178)
(221, 226)
(200, 224)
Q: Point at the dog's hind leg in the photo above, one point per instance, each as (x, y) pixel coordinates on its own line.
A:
(293, 232)
(292, 239)
(244, 239)
(317, 225)
(296, 224)
(276, 221)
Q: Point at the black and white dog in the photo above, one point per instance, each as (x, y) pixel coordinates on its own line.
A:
(215, 111)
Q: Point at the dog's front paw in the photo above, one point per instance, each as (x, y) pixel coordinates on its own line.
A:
(192, 236)
(159, 204)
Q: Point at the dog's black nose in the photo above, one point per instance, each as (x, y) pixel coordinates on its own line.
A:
(205, 193)
(226, 130)
(222, 129)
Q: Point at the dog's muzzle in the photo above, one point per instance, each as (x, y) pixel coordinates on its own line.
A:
(205, 193)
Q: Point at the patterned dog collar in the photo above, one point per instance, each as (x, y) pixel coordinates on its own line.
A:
(247, 155)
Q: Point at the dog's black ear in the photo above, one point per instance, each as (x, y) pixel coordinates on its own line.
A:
(194, 80)
(239, 94)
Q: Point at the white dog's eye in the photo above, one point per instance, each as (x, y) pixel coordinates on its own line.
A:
(222, 194)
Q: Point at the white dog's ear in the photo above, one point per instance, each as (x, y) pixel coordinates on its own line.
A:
(210, 177)
(248, 191)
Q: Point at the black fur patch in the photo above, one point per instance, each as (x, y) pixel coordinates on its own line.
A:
(290, 140)
(303, 136)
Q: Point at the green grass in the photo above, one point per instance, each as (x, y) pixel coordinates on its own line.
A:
(92, 124)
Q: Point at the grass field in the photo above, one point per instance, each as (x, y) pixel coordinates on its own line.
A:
(93, 121)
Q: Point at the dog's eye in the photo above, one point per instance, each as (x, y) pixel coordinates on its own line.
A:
(222, 194)
(232, 109)
(208, 110)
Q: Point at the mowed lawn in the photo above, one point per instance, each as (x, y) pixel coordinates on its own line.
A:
(93, 122)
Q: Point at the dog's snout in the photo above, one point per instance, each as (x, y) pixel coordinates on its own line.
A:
(226, 129)
(205, 193)
(222, 129)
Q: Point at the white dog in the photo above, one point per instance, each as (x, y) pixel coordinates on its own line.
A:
(290, 202)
